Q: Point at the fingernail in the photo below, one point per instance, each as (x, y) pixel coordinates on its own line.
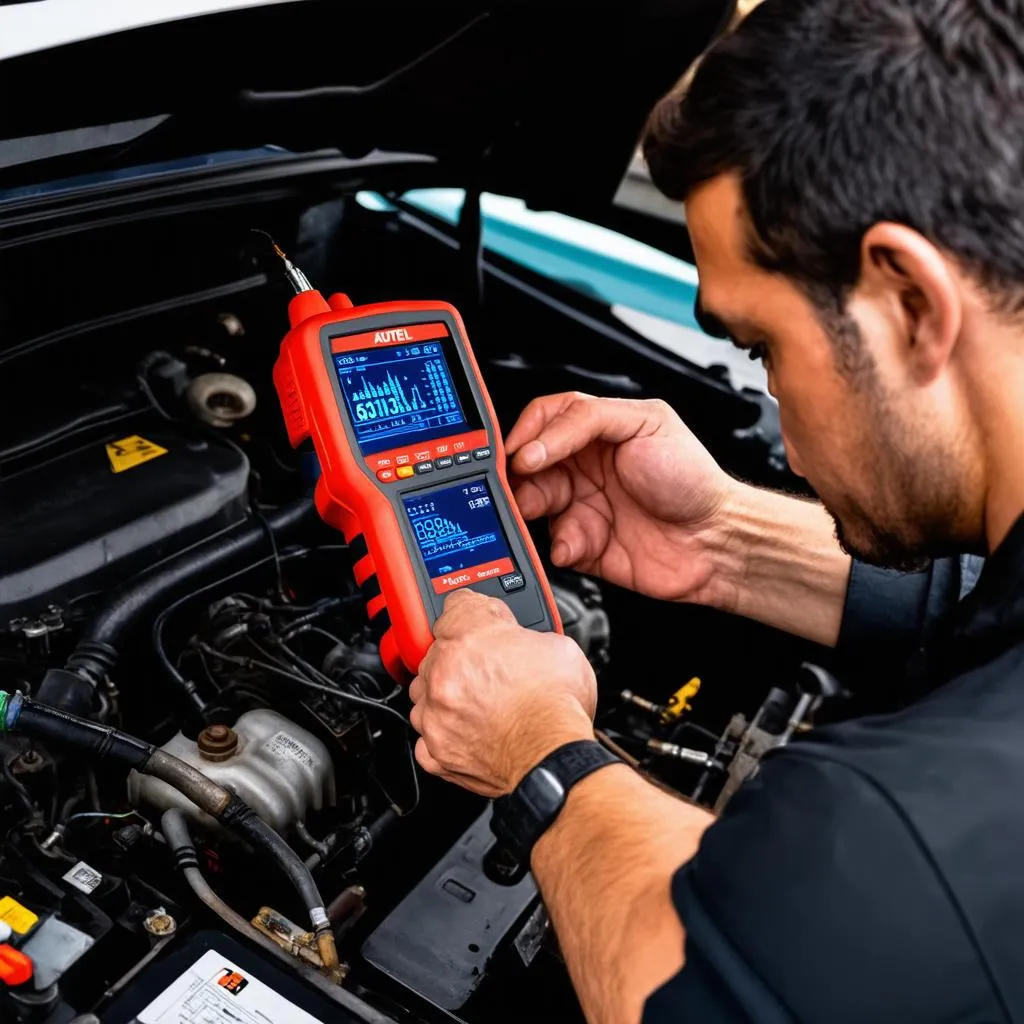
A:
(532, 455)
(560, 553)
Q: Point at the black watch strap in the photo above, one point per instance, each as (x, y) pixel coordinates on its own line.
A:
(522, 817)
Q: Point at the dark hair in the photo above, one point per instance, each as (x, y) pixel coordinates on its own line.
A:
(838, 114)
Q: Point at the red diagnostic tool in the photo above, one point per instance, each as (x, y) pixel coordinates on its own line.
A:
(412, 463)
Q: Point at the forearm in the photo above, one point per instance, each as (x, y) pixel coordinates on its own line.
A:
(778, 562)
(604, 869)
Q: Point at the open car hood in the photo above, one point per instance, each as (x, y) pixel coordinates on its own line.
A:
(542, 99)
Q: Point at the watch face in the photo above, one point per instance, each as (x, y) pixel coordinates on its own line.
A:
(522, 817)
(544, 793)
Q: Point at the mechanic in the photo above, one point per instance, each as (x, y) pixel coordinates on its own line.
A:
(853, 179)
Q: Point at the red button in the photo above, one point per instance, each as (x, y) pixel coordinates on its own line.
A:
(385, 475)
(15, 967)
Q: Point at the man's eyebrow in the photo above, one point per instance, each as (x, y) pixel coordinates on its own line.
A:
(719, 326)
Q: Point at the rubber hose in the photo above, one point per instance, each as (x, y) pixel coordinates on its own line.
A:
(96, 652)
(44, 722)
(251, 827)
(175, 829)
(201, 790)
(48, 723)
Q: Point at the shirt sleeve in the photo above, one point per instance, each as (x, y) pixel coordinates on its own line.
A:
(811, 899)
(889, 615)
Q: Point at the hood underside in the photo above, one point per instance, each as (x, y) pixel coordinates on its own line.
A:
(542, 100)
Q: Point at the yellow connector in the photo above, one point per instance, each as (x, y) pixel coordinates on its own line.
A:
(680, 702)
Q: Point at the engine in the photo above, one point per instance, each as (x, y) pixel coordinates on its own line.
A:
(165, 578)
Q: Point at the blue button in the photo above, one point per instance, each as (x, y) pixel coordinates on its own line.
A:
(513, 581)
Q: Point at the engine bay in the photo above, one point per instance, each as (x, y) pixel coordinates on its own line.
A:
(164, 575)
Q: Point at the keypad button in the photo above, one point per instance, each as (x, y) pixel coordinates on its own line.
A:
(443, 462)
(482, 453)
(424, 467)
(513, 581)
(462, 458)
(385, 476)
(404, 472)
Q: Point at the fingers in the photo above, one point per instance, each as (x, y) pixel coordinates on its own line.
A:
(418, 688)
(555, 431)
(570, 544)
(426, 760)
(430, 764)
(546, 494)
(465, 610)
(535, 417)
(416, 718)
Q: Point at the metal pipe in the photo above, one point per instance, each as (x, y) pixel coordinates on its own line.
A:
(175, 830)
(202, 791)
(38, 720)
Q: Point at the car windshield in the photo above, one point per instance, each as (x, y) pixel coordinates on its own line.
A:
(31, 149)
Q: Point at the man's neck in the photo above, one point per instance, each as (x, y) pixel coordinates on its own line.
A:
(999, 410)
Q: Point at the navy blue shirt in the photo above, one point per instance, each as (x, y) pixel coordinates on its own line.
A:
(873, 872)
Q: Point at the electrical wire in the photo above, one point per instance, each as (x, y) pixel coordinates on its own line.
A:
(100, 814)
(160, 622)
(258, 514)
(334, 690)
(19, 789)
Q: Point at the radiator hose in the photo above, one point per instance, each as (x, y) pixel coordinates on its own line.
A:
(97, 651)
(40, 721)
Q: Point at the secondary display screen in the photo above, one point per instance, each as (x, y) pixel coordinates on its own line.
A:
(399, 395)
(459, 535)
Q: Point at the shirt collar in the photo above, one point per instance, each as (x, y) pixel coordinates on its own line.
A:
(991, 618)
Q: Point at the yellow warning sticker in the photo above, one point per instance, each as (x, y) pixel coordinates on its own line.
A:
(20, 918)
(132, 451)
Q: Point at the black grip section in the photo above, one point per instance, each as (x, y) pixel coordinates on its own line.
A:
(370, 588)
(357, 546)
(380, 624)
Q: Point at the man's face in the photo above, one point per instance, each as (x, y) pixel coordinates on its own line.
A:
(881, 454)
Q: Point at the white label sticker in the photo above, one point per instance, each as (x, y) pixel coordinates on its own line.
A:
(83, 878)
(281, 745)
(214, 991)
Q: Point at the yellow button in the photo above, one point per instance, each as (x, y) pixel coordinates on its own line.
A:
(404, 472)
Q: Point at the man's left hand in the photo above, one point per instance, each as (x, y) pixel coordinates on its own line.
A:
(492, 699)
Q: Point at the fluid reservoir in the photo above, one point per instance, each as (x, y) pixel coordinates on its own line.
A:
(280, 769)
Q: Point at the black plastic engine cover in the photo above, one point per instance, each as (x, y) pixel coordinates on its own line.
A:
(72, 525)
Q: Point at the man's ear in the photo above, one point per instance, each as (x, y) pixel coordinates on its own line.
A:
(915, 282)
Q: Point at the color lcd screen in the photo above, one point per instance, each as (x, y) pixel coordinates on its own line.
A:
(459, 535)
(399, 395)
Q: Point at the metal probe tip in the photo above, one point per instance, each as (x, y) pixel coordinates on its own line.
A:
(296, 278)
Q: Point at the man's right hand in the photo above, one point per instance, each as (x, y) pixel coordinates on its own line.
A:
(636, 499)
(633, 496)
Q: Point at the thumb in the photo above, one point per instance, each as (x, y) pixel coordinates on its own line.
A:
(578, 537)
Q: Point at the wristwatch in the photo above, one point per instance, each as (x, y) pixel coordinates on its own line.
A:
(524, 815)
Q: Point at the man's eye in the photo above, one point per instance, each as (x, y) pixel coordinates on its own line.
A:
(759, 351)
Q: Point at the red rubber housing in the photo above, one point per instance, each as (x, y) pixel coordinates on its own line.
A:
(346, 497)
